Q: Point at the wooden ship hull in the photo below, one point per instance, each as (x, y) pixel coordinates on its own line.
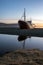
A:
(24, 25)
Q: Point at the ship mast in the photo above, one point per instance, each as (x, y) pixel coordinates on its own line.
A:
(24, 15)
(25, 21)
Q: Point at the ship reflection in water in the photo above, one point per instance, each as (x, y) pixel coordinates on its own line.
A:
(14, 42)
(23, 38)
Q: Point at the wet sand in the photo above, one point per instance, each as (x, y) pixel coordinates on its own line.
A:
(23, 57)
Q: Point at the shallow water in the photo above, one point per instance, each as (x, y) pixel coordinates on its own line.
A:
(13, 42)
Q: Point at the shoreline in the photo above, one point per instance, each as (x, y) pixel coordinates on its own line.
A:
(38, 32)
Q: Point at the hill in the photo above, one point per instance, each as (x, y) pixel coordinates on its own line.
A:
(9, 25)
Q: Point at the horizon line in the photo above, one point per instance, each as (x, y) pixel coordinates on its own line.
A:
(18, 19)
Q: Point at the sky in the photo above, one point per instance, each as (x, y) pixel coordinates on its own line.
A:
(14, 9)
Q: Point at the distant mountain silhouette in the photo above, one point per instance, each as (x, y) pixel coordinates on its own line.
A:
(8, 25)
(1, 24)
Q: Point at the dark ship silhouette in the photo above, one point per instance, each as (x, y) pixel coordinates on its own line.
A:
(25, 24)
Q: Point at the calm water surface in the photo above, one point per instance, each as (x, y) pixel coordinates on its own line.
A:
(13, 42)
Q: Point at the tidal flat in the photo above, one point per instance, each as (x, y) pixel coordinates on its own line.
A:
(38, 32)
